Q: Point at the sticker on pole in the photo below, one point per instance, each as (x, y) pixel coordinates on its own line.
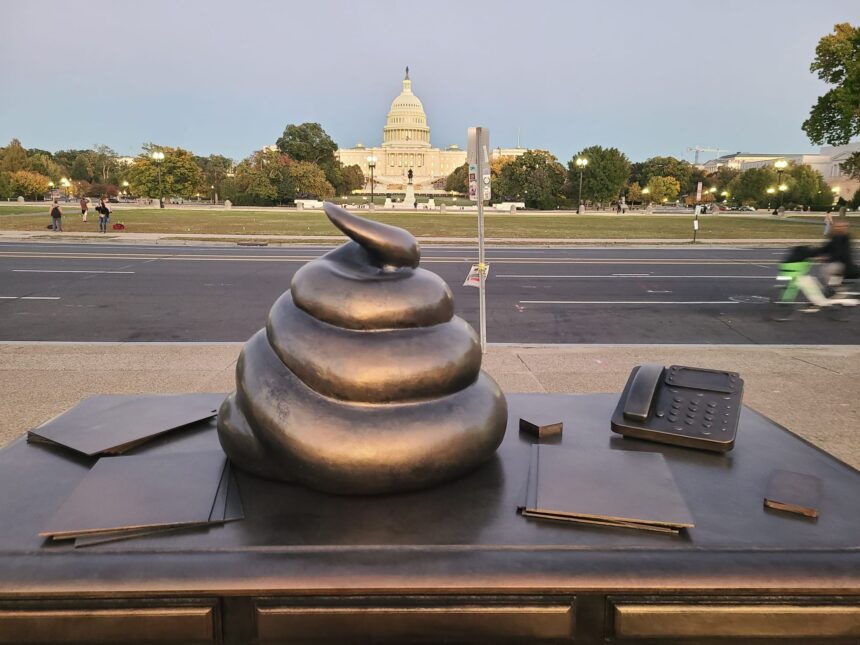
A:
(474, 278)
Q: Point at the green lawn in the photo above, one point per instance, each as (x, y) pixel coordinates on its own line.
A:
(421, 224)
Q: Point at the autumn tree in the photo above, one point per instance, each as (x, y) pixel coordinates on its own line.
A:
(13, 157)
(681, 170)
(603, 178)
(663, 189)
(29, 184)
(309, 181)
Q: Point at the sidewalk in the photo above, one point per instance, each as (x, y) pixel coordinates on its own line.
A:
(813, 391)
(182, 239)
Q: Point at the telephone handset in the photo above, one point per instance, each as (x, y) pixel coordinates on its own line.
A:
(684, 406)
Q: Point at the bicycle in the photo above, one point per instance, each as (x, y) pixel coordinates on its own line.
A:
(794, 280)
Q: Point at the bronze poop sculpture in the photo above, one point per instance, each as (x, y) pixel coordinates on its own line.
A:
(363, 380)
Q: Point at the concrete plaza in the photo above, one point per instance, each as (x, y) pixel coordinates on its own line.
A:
(811, 390)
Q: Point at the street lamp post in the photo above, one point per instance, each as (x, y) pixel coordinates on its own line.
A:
(780, 167)
(371, 163)
(215, 194)
(770, 191)
(158, 157)
(645, 192)
(581, 163)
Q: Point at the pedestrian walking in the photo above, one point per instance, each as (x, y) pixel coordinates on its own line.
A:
(828, 222)
(56, 217)
(85, 207)
(104, 214)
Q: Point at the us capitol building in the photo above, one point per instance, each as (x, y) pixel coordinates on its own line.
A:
(405, 146)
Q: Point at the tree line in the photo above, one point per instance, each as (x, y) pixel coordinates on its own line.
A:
(301, 164)
(541, 181)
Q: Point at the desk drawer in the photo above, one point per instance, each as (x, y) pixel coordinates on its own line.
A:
(727, 620)
(407, 622)
(152, 624)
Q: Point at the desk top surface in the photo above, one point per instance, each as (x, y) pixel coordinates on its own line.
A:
(459, 522)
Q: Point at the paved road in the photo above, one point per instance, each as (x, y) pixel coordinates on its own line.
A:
(105, 292)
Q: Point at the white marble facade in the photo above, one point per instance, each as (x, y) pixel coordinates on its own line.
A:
(405, 144)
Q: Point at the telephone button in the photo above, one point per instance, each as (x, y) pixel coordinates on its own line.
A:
(707, 424)
(677, 399)
(689, 422)
(661, 414)
(672, 417)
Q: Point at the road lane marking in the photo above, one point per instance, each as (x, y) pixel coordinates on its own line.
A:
(63, 271)
(644, 275)
(629, 302)
(434, 260)
(29, 297)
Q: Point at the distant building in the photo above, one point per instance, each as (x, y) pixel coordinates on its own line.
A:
(510, 153)
(826, 161)
(405, 146)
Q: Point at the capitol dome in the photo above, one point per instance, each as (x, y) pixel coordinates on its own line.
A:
(406, 125)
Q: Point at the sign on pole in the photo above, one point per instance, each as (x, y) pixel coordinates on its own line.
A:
(477, 155)
(479, 169)
(474, 278)
(699, 192)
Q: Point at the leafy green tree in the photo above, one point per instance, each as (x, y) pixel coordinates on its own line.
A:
(634, 193)
(67, 158)
(722, 177)
(31, 185)
(45, 165)
(835, 118)
(696, 175)
(308, 142)
(535, 177)
(250, 185)
(805, 185)
(215, 169)
(82, 168)
(855, 201)
(6, 191)
(458, 179)
(180, 175)
(681, 170)
(603, 179)
(352, 178)
(662, 189)
(750, 187)
(13, 157)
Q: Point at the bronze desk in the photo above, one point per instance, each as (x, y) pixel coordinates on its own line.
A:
(454, 563)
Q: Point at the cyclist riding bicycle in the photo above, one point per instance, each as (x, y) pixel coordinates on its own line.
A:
(838, 257)
(796, 272)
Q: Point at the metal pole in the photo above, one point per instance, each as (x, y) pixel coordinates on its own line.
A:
(372, 166)
(160, 189)
(482, 300)
(580, 186)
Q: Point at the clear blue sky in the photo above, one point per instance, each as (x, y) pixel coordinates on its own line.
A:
(226, 76)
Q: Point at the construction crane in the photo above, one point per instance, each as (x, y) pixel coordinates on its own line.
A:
(699, 149)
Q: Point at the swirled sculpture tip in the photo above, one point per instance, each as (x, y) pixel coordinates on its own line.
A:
(386, 245)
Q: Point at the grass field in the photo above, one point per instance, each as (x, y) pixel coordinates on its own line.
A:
(421, 224)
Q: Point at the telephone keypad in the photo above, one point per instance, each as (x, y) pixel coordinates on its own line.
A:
(700, 408)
